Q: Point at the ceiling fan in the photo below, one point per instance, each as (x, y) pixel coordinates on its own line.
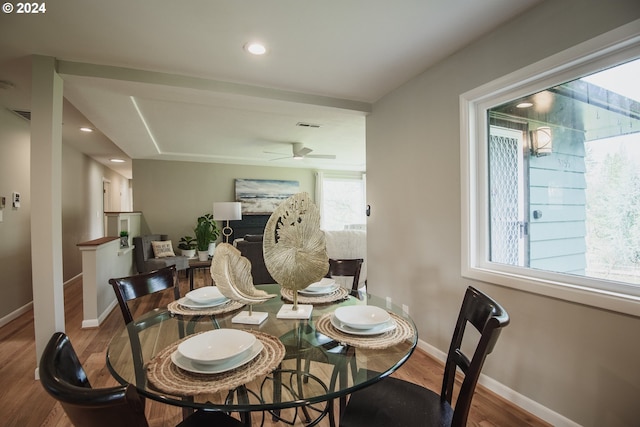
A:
(299, 152)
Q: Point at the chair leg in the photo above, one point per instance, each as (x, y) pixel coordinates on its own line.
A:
(277, 391)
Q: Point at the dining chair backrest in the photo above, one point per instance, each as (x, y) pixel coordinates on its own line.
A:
(488, 318)
(346, 268)
(63, 377)
(139, 285)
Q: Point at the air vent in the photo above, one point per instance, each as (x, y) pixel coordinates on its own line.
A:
(307, 125)
(24, 114)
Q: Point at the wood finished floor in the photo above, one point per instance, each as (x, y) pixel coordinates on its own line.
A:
(25, 404)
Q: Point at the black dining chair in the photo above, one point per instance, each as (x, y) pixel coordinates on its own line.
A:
(399, 403)
(139, 285)
(64, 378)
(347, 268)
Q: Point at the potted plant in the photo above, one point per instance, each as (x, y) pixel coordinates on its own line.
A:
(206, 233)
(187, 245)
(124, 239)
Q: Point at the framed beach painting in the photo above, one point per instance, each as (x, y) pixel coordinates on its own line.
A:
(263, 196)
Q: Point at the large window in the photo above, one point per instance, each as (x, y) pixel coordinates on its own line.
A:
(341, 197)
(551, 169)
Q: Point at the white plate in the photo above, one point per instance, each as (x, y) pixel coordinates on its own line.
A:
(186, 302)
(323, 285)
(188, 365)
(217, 346)
(380, 329)
(328, 290)
(204, 295)
(362, 316)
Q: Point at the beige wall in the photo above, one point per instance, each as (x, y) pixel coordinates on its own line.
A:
(15, 228)
(579, 361)
(82, 218)
(172, 195)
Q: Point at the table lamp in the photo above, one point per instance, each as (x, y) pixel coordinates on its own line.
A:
(227, 211)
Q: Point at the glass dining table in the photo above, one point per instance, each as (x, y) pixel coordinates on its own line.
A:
(303, 366)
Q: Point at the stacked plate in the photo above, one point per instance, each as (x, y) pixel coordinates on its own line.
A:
(205, 297)
(362, 320)
(217, 351)
(323, 287)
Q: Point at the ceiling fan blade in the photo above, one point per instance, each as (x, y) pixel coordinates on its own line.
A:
(280, 158)
(321, 156)
(301, 152)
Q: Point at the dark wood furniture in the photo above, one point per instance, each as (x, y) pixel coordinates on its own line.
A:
(249, 224)
(393, 402)
(251, 248)
(64, 378)
(132, 287)
(196, 264)
(347, 268)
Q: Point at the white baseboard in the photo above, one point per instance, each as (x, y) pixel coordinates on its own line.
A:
(505, 392)
(28, 306)
(16, 313)
(72, 279)
(94, 323)
(529, 405)
(90, 323)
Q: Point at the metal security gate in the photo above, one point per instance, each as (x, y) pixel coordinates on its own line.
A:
(506, 201)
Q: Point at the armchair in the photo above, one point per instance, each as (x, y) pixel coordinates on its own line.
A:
(145, 259)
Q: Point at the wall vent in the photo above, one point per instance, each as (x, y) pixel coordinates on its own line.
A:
(307, 125)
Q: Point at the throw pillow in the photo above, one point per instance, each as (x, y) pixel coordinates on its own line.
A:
(162, 249)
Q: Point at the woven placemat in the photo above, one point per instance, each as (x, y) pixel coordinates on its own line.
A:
(168, 378)
(176, 308)
(403, 331)
(337, 295)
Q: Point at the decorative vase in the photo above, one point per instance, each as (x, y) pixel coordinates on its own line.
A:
(203, 255)
(212, 248)
(189, 253)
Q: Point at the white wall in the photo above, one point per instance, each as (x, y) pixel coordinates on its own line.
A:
(579, 362)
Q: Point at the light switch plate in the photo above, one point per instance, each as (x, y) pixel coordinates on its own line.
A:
(15, 199)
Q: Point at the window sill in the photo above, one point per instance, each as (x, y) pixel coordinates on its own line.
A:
(571, 292)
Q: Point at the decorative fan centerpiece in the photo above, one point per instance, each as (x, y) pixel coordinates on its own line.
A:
(231, 273)
(294, 247)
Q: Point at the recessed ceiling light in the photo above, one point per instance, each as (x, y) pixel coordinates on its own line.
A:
(255, 48)
(86, 129)
(116, 160)
(524, 105)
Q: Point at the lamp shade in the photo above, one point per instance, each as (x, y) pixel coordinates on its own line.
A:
(227, 211)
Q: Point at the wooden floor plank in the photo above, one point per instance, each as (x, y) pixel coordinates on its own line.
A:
(20, 390)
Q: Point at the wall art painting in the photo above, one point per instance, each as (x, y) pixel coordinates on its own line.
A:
(263, 196)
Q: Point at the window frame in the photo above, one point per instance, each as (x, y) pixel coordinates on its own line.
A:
(604, 51)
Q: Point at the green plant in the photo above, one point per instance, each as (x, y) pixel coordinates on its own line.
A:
(187, 242)
(124, 233)
(206, 231)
